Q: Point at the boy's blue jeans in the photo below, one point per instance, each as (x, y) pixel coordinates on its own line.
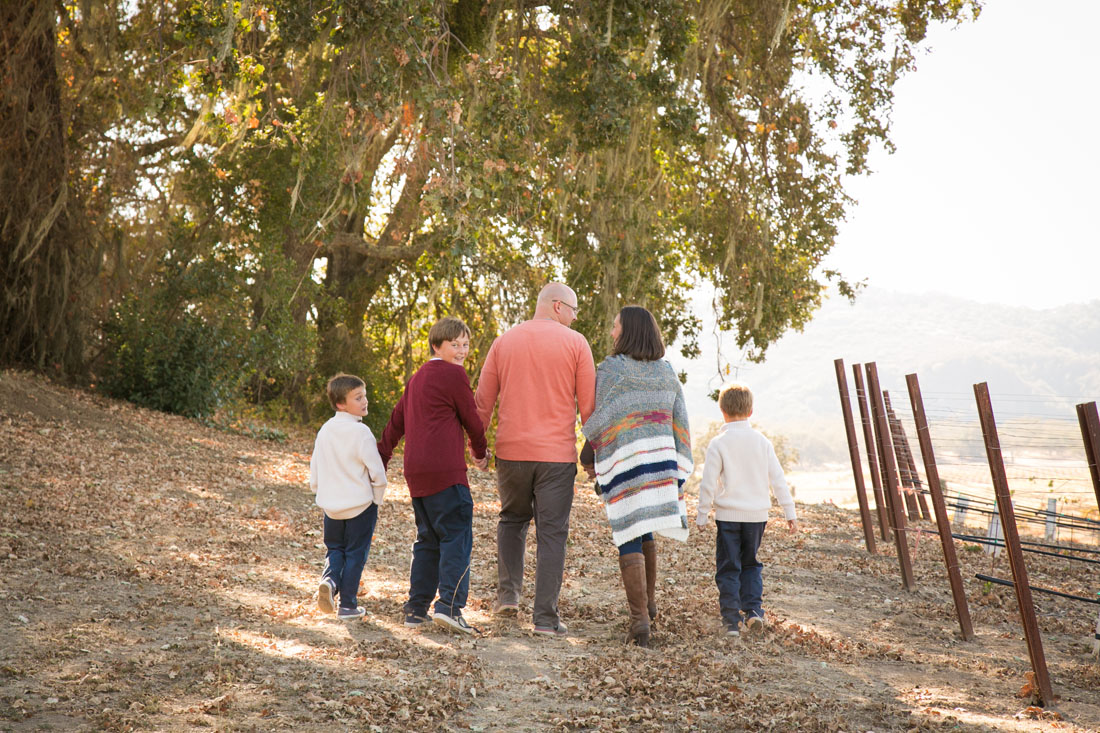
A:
(737, 571)
(441, 553)
(348, 542)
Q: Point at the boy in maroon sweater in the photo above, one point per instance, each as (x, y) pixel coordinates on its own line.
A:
(437, 405)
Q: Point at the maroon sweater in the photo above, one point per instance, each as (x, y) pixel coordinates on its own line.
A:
(437, 404)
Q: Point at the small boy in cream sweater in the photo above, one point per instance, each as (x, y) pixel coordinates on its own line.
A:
(347, 474)
(740, 467)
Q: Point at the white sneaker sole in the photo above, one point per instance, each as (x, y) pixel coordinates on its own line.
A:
(451, 625)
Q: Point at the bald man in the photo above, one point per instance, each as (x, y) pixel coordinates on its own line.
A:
(538, 375)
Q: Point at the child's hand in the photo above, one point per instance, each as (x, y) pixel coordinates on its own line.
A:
(480, 464)
(793, 525)
(701, 521)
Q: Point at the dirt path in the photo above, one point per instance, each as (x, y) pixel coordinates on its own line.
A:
(158, 575)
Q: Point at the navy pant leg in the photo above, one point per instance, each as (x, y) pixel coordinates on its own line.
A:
(752, 580)
(334, 550)
(634, 545)
(727, 573)
(424, 572)
(452, 516)
(348, 543)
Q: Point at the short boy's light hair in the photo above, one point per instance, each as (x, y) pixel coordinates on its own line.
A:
(339, 387)
(446, 329)
(735, 400)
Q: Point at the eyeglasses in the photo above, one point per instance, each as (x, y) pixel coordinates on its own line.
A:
(576, 310)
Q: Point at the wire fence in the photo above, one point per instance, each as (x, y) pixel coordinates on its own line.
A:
(1041, 448)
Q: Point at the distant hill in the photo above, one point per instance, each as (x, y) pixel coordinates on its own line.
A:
(1036, 362)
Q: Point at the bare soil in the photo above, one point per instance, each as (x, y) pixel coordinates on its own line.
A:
(160, 575)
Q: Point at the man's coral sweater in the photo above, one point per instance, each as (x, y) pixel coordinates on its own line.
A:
(541, 374)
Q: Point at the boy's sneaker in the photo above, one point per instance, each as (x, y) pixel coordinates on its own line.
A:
(558, 630)
(733, 632)
(325, 594)
(351, 614)
(415, 620)
(455, 623)
(754, 623)
(508, 610)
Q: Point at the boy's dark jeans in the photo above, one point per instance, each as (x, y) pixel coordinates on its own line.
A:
(441, 553)
(737, 571)
(348, 542)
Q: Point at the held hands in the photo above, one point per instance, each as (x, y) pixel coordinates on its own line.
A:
(481, 464)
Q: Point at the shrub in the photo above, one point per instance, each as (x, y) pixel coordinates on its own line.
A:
(176, 362)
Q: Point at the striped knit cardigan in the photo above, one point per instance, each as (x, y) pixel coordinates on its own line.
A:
(639, 432)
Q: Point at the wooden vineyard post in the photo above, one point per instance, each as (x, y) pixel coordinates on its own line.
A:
(872, 453)
(1090, 432)
(878, 412)
(943, 524)
(853, 453)
(1012, 544)
(924, 512)
(905, 477)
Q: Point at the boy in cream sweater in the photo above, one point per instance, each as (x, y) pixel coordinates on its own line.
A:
(346, 473)
(740, 467)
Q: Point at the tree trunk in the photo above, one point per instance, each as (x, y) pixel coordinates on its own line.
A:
(45, 254)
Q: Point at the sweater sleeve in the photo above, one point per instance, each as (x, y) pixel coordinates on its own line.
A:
(708, 485)
(376, 470)
(468, 415)
(488, 388)
(681, 431)
(598, 421)
(394, 430)
(313, 470)
(586, 381)
(778, 483)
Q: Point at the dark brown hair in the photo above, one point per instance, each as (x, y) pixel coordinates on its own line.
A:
(640, 338)
(448, 328)
(339, 387)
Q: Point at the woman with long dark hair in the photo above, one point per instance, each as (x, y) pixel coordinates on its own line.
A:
(642, 454)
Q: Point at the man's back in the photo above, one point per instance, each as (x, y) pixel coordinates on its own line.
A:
(541, 372)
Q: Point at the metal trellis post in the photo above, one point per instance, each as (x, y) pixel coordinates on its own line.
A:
(1012, 544)
(872, 454)
(853, 453)
(878, 412)
(1090, 432)
(943, 524)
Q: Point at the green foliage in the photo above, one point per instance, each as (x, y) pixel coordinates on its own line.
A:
(343, 173)
(175, 363)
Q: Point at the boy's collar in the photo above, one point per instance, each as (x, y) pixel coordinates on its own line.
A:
(347, 416)
(739, 423)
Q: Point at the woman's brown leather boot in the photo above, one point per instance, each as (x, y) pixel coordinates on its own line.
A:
(649, 552)
(632, 567)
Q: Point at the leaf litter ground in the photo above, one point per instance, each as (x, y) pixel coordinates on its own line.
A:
(159, 575)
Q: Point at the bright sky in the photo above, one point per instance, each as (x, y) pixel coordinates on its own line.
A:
(993, 193)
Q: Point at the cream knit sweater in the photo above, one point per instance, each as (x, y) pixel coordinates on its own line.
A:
(345, 470)
(740, 467)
